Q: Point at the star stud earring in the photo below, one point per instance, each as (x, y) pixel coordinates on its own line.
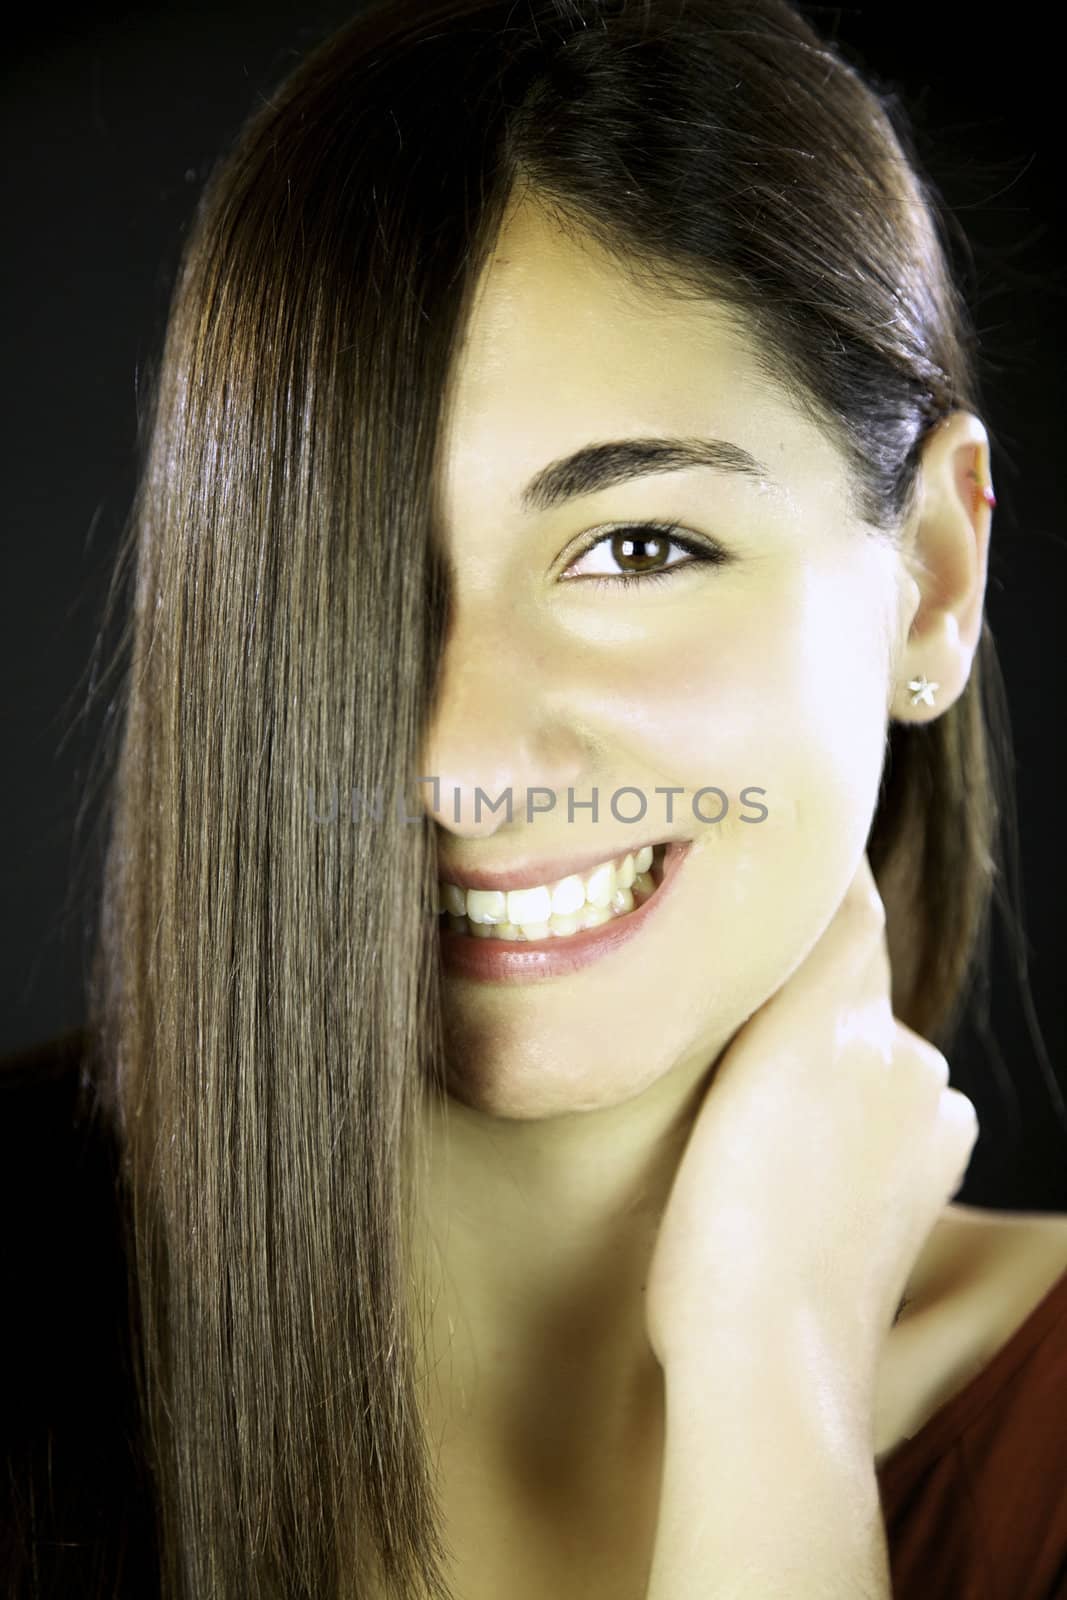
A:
(922, 691)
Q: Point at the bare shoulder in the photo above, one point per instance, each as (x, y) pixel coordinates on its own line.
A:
(982, 1273)
(1039, 1229)
(1007, 1262)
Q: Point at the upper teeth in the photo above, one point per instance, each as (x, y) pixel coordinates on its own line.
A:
(535, 906)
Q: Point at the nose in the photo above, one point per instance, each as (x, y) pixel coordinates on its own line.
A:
(500, 727)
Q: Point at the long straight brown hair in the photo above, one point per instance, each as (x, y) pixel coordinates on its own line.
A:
(265, 1004)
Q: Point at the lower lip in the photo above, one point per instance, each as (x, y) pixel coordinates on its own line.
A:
(529, 960)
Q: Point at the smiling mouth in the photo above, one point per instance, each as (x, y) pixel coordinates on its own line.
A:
(610, 893)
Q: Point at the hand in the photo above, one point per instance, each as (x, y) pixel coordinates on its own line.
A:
(820, 1159)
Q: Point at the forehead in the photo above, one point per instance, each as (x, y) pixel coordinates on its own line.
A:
(563, 349)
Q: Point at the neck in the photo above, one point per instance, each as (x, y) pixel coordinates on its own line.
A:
(536, 1238)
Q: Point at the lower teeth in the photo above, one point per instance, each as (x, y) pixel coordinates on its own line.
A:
(625, 901)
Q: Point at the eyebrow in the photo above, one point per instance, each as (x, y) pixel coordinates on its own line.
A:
(601, 466)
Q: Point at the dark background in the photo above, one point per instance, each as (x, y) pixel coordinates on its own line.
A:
(111, 118)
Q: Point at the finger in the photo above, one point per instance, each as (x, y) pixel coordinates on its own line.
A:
(863, 895)
(853, 943)
(934, 1060)
(960, 1114)
(959, 1119)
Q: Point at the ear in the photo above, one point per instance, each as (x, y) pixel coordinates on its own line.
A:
(945, 555)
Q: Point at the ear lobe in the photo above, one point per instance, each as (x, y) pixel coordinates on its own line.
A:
(947, 565)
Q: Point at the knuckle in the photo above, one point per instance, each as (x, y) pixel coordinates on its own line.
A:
(937, 1065)
(930, 1062)
(872, 906)
(961, 1112)
(863, 898)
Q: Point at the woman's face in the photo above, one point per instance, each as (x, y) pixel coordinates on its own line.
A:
(767, 670)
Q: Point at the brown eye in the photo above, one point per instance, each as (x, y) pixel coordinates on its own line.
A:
(640, 550)
(647, 550)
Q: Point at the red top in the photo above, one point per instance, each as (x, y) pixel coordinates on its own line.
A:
(975, 1503)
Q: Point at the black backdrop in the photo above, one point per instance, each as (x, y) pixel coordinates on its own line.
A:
(111, 117)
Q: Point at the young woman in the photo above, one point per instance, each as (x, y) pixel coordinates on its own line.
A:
(554, 828)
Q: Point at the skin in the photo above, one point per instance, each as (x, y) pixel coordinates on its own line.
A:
(570, 1100)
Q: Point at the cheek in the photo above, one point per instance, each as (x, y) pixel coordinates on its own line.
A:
(790, 702)
(791, 686)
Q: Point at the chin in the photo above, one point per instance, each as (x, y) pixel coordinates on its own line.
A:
(533, 1093)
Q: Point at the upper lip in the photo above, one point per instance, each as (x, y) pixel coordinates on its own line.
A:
(531, 874)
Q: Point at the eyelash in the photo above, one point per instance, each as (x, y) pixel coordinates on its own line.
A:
(713, 555)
